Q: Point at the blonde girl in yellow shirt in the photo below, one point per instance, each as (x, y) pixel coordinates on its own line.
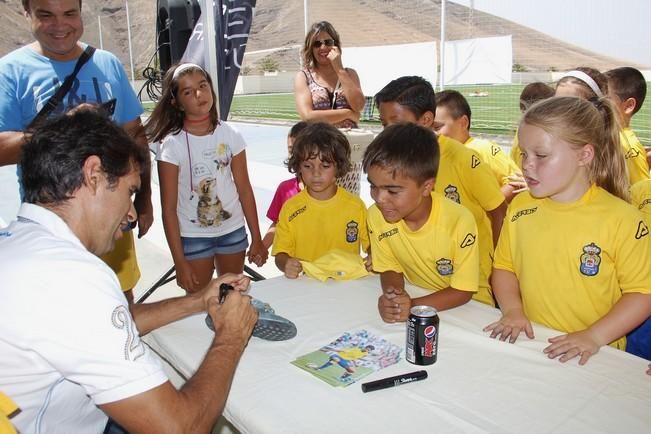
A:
(572, 255)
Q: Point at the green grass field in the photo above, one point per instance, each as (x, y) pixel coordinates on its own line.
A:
(496, 113)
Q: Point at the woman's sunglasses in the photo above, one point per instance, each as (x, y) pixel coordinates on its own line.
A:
(326, 42)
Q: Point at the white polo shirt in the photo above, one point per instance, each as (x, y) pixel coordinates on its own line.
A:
(67, 340)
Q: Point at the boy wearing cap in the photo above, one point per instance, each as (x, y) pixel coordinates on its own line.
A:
(417, 234)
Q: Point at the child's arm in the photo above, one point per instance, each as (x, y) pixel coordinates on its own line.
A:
(394, 303)
(513, 321)
(496, 217)
(629, 312)
(257, 252)
(168, 175)
(443, 299)
(268, 238)
(290, 266)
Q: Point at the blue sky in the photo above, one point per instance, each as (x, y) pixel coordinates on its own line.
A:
(618, 28)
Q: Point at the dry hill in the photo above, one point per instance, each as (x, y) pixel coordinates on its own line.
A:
(279, 23)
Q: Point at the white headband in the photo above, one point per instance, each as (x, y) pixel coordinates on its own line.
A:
(182, 67)
(586, 79)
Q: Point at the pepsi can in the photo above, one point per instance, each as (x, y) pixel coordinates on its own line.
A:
(422, 335)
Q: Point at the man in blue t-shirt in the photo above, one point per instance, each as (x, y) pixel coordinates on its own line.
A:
(30, 75)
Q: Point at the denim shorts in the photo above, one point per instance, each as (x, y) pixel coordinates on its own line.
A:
(201, 248)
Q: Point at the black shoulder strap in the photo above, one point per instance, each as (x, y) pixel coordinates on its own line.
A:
(55, 99)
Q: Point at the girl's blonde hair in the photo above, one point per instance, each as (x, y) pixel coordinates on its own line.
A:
(580, 122)
(167, 117)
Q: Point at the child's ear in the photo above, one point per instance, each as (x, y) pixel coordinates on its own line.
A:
(426, 119)
(465, 122)
(428, 186)
(586, 154)
(629, 106)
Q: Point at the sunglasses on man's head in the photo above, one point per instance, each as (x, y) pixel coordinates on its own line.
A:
(326, 42)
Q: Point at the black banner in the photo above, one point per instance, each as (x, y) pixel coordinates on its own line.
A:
(233, 20)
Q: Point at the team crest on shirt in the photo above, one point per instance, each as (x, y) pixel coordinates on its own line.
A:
(590, 260)
(475, 161)
(452, 193)
(642, 230)
(352, 231)
(444, 267)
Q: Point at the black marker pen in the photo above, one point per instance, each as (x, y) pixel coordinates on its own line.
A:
(394, 381)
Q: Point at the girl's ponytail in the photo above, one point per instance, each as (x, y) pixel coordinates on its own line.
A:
(608, 169)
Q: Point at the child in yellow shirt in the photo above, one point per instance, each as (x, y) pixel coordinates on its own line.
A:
(416, 234)
(573, 254)
(627, 89)
(322, 217)
(462, 176)
(453, 118)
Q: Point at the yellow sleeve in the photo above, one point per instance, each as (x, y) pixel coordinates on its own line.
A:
(515, 151)
(634, 256)
(466, 256)
(641, 198)
(383, 258)
(503, 259)
(501, 164)
(7, 408)
(284, 239)
(638, 168)
(482, 183)
(363, 228)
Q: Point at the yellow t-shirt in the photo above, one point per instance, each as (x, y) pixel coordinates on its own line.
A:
(574, 261)
(7, 408)
(492, 154)
(122, 259)
(352, 353)
(515, 151)
(309, 228)
(465, 179)
(635, 155)
(443, 253)
(641, 198)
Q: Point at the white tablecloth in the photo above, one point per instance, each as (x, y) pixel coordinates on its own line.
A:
(477, 385)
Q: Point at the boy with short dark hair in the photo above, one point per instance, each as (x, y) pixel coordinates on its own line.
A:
(415, 233)
(627, 90)
(531, 93)
(462, 176)
(453, 118)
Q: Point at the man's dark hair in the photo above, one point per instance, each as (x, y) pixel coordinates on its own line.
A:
(324, 141)
(456, 104)
(413, 92)
(627, 82)
(53, 158)
(26, 5)
(406, 149)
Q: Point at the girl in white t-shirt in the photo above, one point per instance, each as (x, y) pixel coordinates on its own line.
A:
(206, 195)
